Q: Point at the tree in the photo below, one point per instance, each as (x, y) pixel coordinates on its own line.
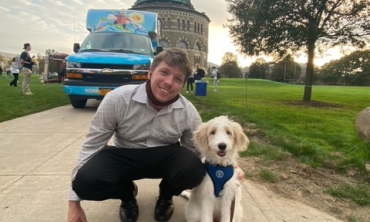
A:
(353, 69)
(49, 52)
(229, 67)
(259, 69)
(286, 70)
(283, 26)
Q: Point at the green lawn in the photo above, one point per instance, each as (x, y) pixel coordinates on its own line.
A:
(14, 104)
(318, 136)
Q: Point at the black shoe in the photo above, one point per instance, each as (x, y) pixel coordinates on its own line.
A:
(129, 211)
(163, 210)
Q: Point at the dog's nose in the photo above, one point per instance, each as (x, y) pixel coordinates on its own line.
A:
(222, 146)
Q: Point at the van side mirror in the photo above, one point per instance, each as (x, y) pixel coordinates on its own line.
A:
(76, 47)
(159, 49)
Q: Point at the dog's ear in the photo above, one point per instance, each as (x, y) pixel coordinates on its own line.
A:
(241, 140)
(201, 138)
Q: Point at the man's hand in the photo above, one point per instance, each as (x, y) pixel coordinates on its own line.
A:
(239, 173)
(75, 212)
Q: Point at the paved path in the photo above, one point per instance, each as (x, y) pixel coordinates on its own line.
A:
(38, 152)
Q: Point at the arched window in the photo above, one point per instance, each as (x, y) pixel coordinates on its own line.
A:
(188, 26)
(201, 29)
(164, 23)
(197, 59)
(178, 24)
(164, 43)
(195, 27)
(198, 27)
(197, 47)
(169, 23)
(182, 45)
(183, 25)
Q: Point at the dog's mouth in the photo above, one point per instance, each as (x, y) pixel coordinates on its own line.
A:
(221, 153)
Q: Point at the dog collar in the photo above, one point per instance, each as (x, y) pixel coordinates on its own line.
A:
(219, 176)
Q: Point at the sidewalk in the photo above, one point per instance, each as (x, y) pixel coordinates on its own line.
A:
(38, 152)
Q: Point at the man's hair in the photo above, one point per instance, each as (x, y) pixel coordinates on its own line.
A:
(174, 57)
(213, 67)
(26, 45)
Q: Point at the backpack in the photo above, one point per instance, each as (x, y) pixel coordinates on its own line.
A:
(218, 74)
(17, 62)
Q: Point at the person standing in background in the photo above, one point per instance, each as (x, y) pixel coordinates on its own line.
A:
(14, 69)
(62, 72)
(190, 82)
(199, 72)
(26, 69)
(215, 80)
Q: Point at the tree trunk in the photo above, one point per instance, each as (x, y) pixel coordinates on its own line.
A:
(309, 72)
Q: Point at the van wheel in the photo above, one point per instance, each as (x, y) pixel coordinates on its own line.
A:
(78, 103)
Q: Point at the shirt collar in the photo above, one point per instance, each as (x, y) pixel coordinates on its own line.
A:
(141, 97)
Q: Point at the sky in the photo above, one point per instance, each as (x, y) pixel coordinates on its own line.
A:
(57, 24)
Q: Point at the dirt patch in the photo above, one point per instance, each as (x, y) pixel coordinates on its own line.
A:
(305, 184)
(314, 104)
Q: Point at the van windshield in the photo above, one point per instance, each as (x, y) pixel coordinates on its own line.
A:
(117, 42)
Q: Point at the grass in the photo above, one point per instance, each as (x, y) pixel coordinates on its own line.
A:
(358, 194)
(268, 175)
(14, 104)
(318, 136)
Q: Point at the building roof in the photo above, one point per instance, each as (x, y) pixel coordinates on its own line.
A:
(183, 4)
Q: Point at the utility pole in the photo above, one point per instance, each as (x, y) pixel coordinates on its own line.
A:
(74, 30)
(295, 70)
(284, 71)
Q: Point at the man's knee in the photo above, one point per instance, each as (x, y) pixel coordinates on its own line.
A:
(192, 171)
(82, 184)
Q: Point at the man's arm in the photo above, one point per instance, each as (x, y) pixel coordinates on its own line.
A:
(101, 130)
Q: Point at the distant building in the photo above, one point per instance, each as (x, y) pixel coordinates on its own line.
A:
(180, 26)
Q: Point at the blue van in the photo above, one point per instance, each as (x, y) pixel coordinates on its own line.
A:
(118, 51)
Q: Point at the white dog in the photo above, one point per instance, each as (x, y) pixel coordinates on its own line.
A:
(219, 141)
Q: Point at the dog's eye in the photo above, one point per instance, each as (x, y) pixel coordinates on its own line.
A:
(213, 132)
(228, 133)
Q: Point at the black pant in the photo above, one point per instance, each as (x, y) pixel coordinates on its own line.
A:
(190, 82)
(109, 174)
(15, 80)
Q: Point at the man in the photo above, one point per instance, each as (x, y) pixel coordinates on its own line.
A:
(26, 69)
(146, 122)
(215, 79)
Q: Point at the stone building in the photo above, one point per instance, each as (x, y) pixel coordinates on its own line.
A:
(180, 26)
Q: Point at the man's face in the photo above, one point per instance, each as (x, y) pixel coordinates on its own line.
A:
(166, 81)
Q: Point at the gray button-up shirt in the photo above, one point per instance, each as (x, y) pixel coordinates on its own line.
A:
(126, 115)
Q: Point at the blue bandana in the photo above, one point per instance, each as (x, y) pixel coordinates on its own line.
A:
(219, 175)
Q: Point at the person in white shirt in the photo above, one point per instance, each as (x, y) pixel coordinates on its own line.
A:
(14, 69)
(148, 122)
(215, 80)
